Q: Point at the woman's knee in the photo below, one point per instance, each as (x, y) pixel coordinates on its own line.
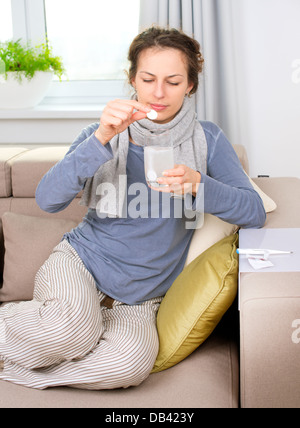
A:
(68, 331)
(135, 375)
(71, 309)
(118, 377)
(139, 366)
(120, 366)
(63, 279)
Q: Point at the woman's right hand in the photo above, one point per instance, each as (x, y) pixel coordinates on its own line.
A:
(117, 116)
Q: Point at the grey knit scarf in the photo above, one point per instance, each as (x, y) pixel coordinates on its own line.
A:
(190, 149)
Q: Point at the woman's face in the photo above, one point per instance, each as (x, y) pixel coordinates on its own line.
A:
(162, 82)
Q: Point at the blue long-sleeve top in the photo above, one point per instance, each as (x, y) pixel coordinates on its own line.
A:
(136, 258)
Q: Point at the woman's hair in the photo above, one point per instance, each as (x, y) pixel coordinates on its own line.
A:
(164, 38)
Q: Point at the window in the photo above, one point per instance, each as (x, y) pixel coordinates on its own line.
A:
(91, 36)
(6, 29)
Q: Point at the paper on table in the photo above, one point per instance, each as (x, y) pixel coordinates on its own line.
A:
(259, 263)
(286, 239)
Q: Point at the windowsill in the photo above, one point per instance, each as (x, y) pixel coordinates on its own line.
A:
(56, 105)
(55, 111)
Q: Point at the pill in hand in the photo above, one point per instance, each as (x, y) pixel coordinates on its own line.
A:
(152, 115)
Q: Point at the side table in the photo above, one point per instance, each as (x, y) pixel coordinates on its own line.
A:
(269, 302)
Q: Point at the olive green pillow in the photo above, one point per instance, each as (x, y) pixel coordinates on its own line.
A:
(196, 302)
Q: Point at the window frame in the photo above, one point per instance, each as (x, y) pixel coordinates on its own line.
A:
(29, 24)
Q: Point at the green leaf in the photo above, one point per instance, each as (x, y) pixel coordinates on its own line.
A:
(25, 59)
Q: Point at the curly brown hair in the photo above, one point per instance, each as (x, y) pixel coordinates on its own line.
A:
(164, 38)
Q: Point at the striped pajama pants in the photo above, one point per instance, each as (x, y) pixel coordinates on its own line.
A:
(64, 337)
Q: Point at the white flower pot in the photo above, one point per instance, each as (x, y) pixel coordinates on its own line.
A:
(24, 94)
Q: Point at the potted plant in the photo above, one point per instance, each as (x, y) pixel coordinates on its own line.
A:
(25, 73)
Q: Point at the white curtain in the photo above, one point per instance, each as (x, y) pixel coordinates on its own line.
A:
(211, 23)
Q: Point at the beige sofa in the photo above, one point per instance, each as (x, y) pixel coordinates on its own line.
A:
(218, 373)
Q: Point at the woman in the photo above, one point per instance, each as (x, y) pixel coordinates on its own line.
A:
(124, 262)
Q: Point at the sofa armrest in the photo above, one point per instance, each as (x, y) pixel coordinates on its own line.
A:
(28, 169)
(242, 155)
(270, 339)
(7, 156)
(270, 316)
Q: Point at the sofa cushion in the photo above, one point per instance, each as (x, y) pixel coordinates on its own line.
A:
(7, 156)
(28, 206)
(28, 243)
(213, 230)
(286, 192)
(243, 156)
(196, 302)
(28, 169)
(209, 378)
(269, 204)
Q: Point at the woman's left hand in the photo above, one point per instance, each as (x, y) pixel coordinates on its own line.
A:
(180, 180)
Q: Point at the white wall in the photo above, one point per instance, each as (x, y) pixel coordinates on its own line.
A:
(267, 37)
(35, 132)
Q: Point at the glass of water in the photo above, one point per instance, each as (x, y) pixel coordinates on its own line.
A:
(158, 157)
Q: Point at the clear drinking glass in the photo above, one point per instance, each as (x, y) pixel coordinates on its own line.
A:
(158, 157)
